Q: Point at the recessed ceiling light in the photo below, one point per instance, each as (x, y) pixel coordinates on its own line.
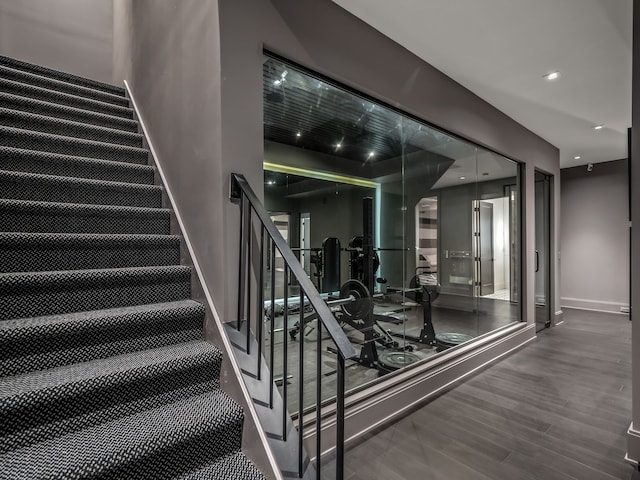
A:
(577, 157)
(271, 182)
(598, 127)
(277, 82)
(371, 154)
(338, 145)
(461, 178)
(298, 134)
(552, 76)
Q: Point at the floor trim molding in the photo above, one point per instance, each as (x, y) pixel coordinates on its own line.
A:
(633, 446)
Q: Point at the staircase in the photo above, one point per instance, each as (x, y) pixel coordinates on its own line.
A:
(104, 372)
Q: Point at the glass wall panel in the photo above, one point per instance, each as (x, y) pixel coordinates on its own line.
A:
(422, 224)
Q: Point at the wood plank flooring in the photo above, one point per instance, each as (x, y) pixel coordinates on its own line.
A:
(556, 410)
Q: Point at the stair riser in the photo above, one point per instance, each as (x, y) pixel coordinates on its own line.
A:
(54, 189)
(236, 466)
(65, 77)
(82, 398)
(177, 459)
(60, 86)
(37, 93)
(20, 220)
(57, 298)
(69, 352)
(17, 160)
(16, 138)
(62, 112)
(33, 258)
(75, 423)
(38, 123)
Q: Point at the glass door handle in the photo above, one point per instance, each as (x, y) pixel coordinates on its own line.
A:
(537, 262)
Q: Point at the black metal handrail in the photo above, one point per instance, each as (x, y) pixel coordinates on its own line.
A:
(241, 190)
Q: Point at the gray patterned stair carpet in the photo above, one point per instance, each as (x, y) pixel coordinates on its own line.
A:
(104, 372)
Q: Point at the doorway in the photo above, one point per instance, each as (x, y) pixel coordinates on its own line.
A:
(305, 242)
(542, 249)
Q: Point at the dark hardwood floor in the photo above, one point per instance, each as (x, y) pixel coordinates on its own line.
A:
(556, 410)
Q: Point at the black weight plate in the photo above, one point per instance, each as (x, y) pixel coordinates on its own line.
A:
(452, 338)
(356, 242)
(362, 303)
(391, 360)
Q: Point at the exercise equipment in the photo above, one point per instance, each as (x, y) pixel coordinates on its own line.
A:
(362, 303)
(425, 289)
(331, 253)
(326, 260)
(358, 260)
(354, 307)
(358, 314)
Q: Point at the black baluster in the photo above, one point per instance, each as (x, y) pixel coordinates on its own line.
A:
(318, 398)
(285, 414)
(272, 353)
(301, 383)
(241, 262)
(340, 420)
(260, 311)
(249, 264)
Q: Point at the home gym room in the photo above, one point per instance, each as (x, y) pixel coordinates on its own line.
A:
(411, 234)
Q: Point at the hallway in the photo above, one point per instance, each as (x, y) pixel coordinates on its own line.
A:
(558, 409)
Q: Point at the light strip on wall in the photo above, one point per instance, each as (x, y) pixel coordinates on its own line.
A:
(331, 177)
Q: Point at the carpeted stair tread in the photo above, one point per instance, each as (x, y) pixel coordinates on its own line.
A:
(38, 343)
(39, 93)
(31, 294)
(61, 86)
(63, 76)
(235, 466)
(29, 252)
(31, 140)
(41, 397)
(40, 433)
(152, 444)
(50, 188)
(55, 126)
(30, 216)
(21, 160)
(64, 112)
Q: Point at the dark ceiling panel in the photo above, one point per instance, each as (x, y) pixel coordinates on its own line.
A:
(305, 112)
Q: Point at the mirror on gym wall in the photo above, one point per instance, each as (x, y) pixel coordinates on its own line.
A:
(411, 234)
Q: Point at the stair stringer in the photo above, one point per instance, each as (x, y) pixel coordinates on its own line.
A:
(260, 452)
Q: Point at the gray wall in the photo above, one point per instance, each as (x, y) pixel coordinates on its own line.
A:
(594, 266)
(168, 51)
(75, 36)
(215, 126)
(298, 31)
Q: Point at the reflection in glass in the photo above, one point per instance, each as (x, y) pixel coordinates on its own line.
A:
(415, 234)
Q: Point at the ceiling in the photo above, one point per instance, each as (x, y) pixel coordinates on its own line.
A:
(501, 49)
(304, 111)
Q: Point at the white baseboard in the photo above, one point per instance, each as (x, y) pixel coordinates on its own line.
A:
(594, 305)
(633, 446)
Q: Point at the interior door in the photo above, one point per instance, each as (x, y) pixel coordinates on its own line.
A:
(486, 249)
(542, 249)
